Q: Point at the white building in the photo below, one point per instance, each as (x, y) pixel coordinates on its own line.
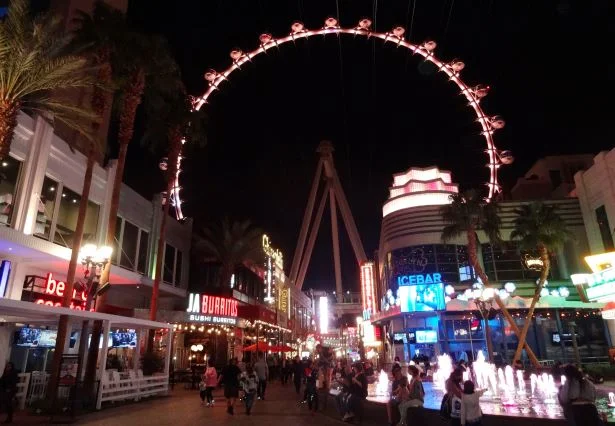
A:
(40, 187)
(595, 188)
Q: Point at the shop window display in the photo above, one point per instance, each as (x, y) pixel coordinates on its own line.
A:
(9, 177)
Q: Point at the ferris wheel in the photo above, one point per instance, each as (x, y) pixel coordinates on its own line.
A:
(452, 69)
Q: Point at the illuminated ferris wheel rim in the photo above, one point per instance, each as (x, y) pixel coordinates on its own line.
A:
(396, 36)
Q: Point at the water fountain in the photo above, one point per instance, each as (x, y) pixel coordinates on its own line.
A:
(445, 368)
(382, 385)
(611, 399)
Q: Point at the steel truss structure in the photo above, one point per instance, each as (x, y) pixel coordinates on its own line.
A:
(326, 176)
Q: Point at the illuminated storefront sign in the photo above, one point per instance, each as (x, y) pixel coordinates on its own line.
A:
(404, 280)
(275, 254)
(601, 283)
(212, 309)
(284, 300)
(53, 294)
(368, 291)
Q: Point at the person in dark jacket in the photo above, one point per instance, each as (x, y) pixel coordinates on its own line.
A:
(297, 374)
(8, 390)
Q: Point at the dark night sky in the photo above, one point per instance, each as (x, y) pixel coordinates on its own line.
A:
(546, 61)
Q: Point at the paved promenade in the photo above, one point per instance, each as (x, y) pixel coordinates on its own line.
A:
(183, 407)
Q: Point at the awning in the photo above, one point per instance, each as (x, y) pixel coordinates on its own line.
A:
(16, 311)
(262, 347)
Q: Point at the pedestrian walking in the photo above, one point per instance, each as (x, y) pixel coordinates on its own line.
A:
(210, 377)
(297, 374)
(471, 414)
(8, 390)
(578, 398)
(311, 388)
(230, 379)
(249, 382)
(262, 370)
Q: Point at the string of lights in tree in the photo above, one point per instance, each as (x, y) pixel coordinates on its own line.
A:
(262, 325)
(452, 69)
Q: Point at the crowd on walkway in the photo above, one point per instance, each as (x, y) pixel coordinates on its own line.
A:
(247, 382)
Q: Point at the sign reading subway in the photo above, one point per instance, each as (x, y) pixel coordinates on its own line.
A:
(204, 308)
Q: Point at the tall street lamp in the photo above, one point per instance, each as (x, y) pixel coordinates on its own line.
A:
(94, 259)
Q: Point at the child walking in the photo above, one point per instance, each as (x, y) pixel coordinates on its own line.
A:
(249, 382)
(210, 380)
(471, 413)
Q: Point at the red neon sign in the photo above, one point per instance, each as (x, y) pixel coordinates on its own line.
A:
(56, 289)
(212, 305)
(367, 289)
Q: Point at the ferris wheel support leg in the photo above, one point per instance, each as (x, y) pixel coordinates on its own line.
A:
(336, 246)
(305, 225)
(349, 223)
(305, 259)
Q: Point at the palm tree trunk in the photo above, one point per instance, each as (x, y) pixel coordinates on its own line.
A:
(488, 337)
(546, 266)
(132, 99)
(8, 122)
(175, 138)
(70, 277)
(472, 250)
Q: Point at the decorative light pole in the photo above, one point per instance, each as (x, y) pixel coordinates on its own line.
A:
(94, 259)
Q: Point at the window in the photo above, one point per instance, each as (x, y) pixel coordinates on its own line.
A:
(58, 211)
(46, 208)
(178, 269)
(129, 246)
(9, 176)
(172, 273)
(66, 219)
(605, 228)
(134, 242)
(556, 178)
(169, 263)
(143, 252)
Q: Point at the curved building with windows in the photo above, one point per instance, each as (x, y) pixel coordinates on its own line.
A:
(423, 283)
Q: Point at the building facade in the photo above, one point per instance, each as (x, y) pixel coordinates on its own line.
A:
(40, 190)
(422, 280)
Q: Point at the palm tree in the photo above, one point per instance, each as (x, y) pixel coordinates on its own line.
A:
(173, 122)
(35, 60)
(464, 217)
(231, 244)
(539, 228)
(97, 52)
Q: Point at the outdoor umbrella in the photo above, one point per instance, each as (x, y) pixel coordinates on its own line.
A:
(262, 347)
(282, 348)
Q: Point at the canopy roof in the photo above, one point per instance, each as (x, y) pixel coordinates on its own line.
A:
(17, 311)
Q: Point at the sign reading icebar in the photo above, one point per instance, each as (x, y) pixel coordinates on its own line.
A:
(211, 305)
(419, 279)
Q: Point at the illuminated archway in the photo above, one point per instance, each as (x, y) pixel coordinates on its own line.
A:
(452, 69)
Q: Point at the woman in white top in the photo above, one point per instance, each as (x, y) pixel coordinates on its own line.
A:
(471, 414)
(578, 396)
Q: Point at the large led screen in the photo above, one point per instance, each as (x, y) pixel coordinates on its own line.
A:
(422, 298)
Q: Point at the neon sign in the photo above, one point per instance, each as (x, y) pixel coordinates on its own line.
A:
(274, 254)
(367, 287)
(56, 289)
(204, 304)
(404, 280)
